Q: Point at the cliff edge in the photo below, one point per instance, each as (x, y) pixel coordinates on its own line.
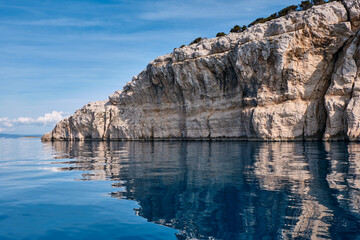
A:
(293, 78)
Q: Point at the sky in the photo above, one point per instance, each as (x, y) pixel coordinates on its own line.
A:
(58, 55)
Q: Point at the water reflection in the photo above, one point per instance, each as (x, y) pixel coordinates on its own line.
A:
(231, 190)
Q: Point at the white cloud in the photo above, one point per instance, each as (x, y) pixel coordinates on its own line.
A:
(50, 117)
(46, 119)
(8, 124)
(24, 120)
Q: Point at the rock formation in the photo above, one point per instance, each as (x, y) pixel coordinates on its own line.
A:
(293, 78)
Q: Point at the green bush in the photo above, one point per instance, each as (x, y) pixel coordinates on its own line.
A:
(287, 10)
(220, 34)
(319, 2)
(259, 20)
(271, 17)
(236, 28)
(182, 46)
(305, 5)
(197, 40)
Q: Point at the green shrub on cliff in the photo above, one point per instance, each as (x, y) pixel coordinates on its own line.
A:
(287, 10)
(259, 20)
(305, 5)
(238, 29)
(197, 40)
(220, 34)
(319, 2)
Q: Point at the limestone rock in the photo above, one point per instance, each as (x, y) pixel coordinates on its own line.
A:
(292, 78)
(353, 8)
(341, 92)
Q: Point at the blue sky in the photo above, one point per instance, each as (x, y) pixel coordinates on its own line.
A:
(56, 56)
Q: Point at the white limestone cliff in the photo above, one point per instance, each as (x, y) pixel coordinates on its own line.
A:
(293, 78)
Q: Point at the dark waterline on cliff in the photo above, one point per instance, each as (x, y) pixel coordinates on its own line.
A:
(191, 190)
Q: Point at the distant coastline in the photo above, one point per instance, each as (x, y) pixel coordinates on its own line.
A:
(4, 135)
(30, 137)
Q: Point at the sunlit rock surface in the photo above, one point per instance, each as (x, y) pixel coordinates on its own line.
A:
(293, 78)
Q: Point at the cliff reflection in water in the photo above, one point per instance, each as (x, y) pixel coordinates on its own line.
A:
(231, 190)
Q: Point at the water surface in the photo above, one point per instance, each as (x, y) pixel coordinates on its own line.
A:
(179, 190)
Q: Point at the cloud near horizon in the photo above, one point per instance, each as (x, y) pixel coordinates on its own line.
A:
(7, 124)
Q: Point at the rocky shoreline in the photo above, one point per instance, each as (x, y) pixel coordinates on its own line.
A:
(293, 78)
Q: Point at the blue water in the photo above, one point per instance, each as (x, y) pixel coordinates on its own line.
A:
(179, 190)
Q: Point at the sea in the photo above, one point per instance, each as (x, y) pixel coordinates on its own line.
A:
(184, 190)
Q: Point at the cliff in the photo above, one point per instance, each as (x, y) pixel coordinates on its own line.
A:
(293, 78)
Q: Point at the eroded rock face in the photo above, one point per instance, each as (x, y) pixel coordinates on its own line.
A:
(353, 8)
(293, 78)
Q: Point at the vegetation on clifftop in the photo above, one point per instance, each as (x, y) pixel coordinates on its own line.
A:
(304, 5)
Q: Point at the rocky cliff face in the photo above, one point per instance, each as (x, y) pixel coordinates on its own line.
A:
(293, 78)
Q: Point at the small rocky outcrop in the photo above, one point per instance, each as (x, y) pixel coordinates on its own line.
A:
(293, 78)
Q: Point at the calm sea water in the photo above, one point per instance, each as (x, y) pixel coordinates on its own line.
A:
(178, 190)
